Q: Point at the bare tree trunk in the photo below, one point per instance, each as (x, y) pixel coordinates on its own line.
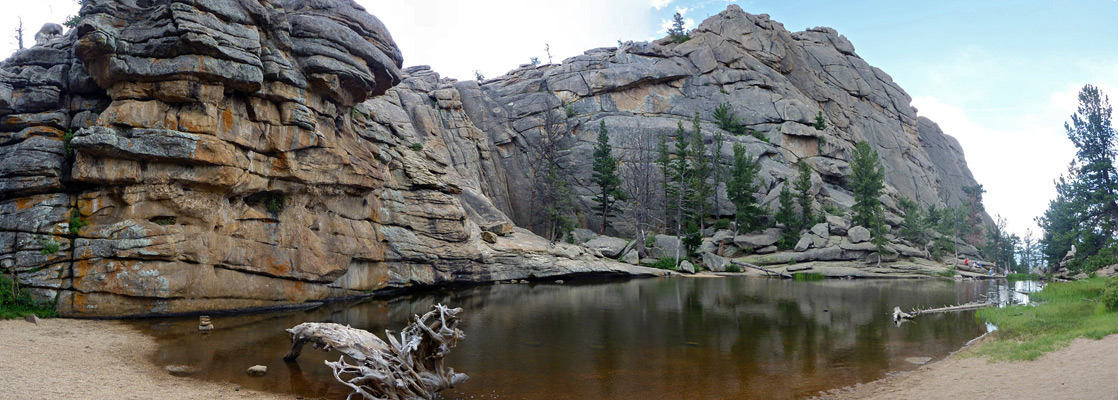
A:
(19, 34)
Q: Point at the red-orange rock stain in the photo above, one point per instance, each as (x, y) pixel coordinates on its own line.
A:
(24, 203)
(227, 121)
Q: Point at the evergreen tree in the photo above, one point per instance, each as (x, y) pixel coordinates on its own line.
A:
(912, 229)
(1085, 211)
(741, 190)
(716, 169)
(866, 183)
(820, 123)
(677, 32)
(701, 190)
(802, 185)
(786, 215)
(605, 176)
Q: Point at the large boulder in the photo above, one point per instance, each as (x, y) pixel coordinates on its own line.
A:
(665, 246)
(858, 234)
(766, 238)
(714, 262)
(609, 246)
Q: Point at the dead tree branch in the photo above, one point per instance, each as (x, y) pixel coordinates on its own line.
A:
(410, 367)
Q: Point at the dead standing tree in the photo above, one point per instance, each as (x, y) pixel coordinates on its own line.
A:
(405, 369)
(642, 180)
(551, 190)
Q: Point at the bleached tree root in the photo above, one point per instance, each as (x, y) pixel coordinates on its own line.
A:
(408, 368)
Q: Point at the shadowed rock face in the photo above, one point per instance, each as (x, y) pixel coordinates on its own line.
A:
(248, 153)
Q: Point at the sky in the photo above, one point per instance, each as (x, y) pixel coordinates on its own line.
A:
(1001, 76)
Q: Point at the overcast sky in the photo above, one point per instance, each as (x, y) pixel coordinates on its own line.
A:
(999, 75)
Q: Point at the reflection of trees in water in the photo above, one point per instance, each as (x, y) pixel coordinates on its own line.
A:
(706, 337)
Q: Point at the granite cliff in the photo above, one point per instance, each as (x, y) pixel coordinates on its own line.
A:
(170, 156)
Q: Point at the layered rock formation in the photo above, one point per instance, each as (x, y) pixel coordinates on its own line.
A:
(188, 155)
(185, 155)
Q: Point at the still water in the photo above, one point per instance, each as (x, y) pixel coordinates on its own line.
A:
(696, 338)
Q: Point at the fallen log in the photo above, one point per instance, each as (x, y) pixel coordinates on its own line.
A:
(766, 270)
(405, 369)
(898, 314)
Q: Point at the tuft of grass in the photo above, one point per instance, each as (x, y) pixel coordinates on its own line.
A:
(1064, 311)
(16, 303)
(49, 246)
(733, 268)
(808, 276)
(1022, 277)
(417, 146)
(947, 273)
(667, 263)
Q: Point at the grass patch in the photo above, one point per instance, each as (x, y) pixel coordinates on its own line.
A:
(164, 220)
(808, 276)
(1065, 311)
(16, 303)
(1022, 277)
(733, 268)
(947, 273)
(667, 263)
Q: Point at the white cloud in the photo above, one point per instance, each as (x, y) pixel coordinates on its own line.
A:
(456, 37)
(682, 10)
(1015, 164)
(660, 4)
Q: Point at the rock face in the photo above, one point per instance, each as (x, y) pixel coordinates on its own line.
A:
(190, 155)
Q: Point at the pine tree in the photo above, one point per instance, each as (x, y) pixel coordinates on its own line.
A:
(866, 183)
(605, 176)
(820, 123)
(700, 186)
(802, 185)
(912, 228)
(786, 215)
(677, 32)
(741, 190)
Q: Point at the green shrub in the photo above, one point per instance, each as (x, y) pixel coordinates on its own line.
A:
(947, 273)
(273, 203)
(667, 263)
(733, 268)
(66, 138)
(17, 303)
(721, 223)
(76, 221)
(570, 111)
(649, 241)
(73, 21)
(1110, 295)
(417, 146)
(820, 123)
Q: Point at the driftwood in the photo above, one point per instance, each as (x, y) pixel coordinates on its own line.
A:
(766, 270)
(408, 368)
(901, 315)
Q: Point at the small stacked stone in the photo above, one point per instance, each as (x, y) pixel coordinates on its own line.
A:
(204, 324)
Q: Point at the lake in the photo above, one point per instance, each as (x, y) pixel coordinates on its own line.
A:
(697, 338)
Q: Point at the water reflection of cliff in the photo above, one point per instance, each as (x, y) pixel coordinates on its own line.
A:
(666, 338)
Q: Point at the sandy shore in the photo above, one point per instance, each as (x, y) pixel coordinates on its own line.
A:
(82, 359)
(1086, 369)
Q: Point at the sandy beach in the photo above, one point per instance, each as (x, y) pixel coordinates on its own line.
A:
(87, 359)
(1086, 369)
